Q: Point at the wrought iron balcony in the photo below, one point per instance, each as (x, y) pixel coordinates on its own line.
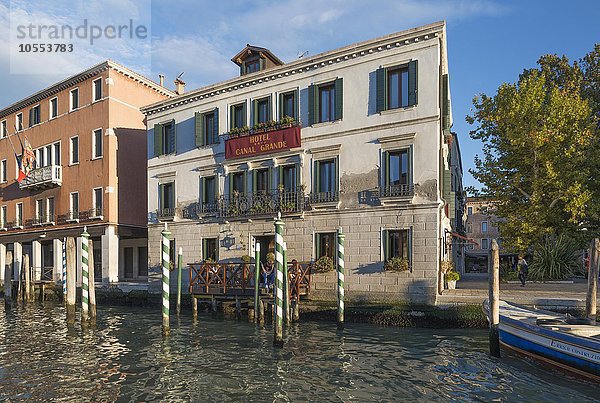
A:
(396, 191)
(255, 204)
(45, 177)
(166, 213)
(323, 197)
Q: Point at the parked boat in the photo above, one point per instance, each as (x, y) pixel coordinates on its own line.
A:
(561, 340)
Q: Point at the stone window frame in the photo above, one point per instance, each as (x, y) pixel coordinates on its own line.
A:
(384, 232)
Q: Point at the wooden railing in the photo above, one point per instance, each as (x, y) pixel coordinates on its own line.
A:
(238, 278)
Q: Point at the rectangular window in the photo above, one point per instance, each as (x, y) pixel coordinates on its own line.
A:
(50, 209)
(261, 181)
(19, 121)
(484, 226)
(19, 217)
(53, 108)
(397, 87)
(97, 85)
(325, 244)
(238, 116)
(168, 138)
(3, 129)
(3, 217)
(211, 135)
(128, 262)
(97, 143)
(485, 244)
(326, 103)
(469, 210)
(3, 177)
(252, 66)
(143, 261)
(97, 202)
(327, 179)
(398, 168)
(288, 105)
(238, 183)
(166, 196)
(289, 179)
(39, 211)
(56, 160)
(74, 206)
(74, 159)
(74, 99)
(209, 249)
(262, 110)
(396, 244)
(209, 190)
(34, 116)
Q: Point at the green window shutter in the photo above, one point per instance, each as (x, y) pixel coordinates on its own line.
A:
(203, 197)
(174, 137)
(339, 98)
(270, 179)
(317, 179)
(317, 246)
(243, 68)
(254, 181)
(410, 165)
(158, 146)
(245, 115)
(410, 246)
(280, 176)
(230, 180)
(336, 171)
(385, 243)
(30, 117)
(245, 183)
(312, 105)
(413, 82)
(445, 103)
(160, 197)
(298, 179)
(216, 127)
(296, 104)
(254, 111)
(270, 110)
(199, 125)
(231, 117)
(280, 106)
(386, 168)
(380, 89)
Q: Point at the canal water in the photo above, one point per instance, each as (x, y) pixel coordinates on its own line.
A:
(124, 358)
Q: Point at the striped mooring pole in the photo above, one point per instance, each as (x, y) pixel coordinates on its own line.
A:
(340, 278)
(256, 278)
(278, 340)
(85, 293)
(165, 280)
(64, 269)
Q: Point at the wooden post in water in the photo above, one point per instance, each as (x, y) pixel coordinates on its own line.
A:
(194, 307)
(278, 306)
(213, 305)
(8, 269)
(26, 269)
(165, 253)
(85, 277)
(340, 279)
(179, 269)
(494, 299)
(286, 288)
(296, 309)
(256, 278)
(92, 281)
(590, 300)
(71, 273)
(261, 312)
(238, 308)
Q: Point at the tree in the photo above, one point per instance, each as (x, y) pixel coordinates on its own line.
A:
(540, 152)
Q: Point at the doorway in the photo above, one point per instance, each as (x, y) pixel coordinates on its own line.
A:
(267, 244)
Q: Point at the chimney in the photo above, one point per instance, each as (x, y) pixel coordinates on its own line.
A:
(179, 86)
(161, 79)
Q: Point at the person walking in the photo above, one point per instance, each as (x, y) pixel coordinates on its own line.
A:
(523, 270)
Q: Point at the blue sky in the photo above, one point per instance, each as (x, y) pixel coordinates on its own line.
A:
(489, 42)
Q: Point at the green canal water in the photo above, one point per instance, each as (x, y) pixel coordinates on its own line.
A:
(124, 358)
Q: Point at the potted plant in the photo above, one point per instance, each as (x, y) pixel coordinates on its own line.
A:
(323, 265)
(286, 121)
(451, 278)
(397, 264)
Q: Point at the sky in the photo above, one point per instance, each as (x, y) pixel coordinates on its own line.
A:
(489, 42)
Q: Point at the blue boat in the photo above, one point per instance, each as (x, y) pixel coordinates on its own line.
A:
(563, 341)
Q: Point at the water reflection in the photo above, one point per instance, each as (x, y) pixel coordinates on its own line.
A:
(124, 357)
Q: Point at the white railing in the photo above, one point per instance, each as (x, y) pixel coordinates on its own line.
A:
(48, 176)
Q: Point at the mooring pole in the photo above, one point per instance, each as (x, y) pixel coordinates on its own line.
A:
(8, 265)
(340, 279)
(286, 288)
(278, 311)
(194, 307)
(494, 300)
(71, 273)
(26, 269)
(256, 278)
(92, 280)
(85, 278)
(590, 300)
(64, 269)
(179, 269)
(166, 251)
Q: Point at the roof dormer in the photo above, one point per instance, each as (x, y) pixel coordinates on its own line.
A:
(253, 58)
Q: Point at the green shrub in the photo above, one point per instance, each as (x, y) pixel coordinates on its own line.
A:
(554, 258)
(396, 264)
(452, 276)
(323, 265)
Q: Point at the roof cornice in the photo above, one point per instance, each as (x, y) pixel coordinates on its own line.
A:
(350, 52)
(80, 77)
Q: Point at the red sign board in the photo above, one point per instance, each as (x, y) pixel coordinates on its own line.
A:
(262, 143)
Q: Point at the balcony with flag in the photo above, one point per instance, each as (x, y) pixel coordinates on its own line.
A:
(42, 178)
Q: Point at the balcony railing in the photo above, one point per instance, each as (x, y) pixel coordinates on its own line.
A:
(396, 191)
(45, 177)
(260, 203)
(166, 213)
(323, 197)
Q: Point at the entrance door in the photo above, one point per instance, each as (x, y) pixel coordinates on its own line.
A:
(47, 261)
(267, 244)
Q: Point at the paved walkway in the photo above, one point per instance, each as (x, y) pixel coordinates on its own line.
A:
(547, 295)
